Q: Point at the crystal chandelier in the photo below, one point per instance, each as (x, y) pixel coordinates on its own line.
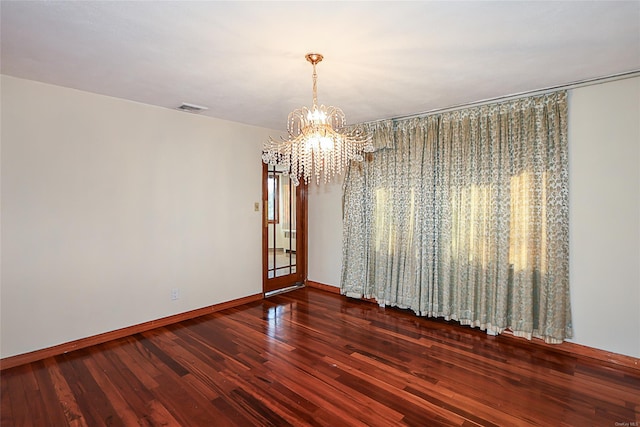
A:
(318, 142)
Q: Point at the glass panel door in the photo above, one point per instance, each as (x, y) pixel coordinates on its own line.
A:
(282, 254)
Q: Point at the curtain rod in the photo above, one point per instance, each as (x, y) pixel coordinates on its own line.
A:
(568, 86)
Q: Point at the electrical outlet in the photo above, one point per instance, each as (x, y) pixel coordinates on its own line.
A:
(175, 294)
(256, 206)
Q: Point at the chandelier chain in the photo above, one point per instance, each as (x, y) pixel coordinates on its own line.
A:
(315, 87)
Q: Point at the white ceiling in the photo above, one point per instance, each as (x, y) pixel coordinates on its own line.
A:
(245, 60)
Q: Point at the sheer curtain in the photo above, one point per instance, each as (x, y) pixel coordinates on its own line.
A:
(464, 215)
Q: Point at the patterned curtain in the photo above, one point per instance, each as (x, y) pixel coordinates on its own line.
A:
(464, 215)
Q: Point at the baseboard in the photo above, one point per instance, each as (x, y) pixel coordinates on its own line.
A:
(333, 290)
(574, 349)
(21, 359)
(583, 351)
(323, 287)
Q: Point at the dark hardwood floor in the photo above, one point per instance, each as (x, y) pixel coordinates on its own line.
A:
(310, 357)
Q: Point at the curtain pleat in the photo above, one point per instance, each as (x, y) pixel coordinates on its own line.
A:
(464, 215)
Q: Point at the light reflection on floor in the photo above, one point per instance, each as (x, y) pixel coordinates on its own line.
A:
(276, 316)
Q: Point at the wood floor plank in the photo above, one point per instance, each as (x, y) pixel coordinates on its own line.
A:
(68, 403)
(96, 407)
(314, 358)
(6, 413)
(439, 395)
(126, 373)
(120, 404)
(127, 393)
(160, 416)
(47, 394)
(17, 395)
(337, 407)
(321, 373)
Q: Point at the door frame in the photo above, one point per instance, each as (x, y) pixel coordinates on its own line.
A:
(300, 276)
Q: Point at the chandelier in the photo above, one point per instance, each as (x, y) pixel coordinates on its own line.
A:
(318, 142)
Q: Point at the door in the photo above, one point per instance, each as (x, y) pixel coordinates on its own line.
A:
(284, 230)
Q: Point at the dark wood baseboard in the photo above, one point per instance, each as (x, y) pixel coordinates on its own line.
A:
(323, 287)
(333, 290)
(567, 347)
(583, 351)
(21, 359)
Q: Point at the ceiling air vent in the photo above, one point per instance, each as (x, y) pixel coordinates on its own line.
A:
(191, 108)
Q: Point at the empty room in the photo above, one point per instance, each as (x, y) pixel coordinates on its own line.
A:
(321, 213)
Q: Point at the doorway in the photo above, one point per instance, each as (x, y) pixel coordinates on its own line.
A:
(284, 245)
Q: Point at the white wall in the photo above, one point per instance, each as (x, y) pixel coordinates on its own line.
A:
(325, 232)
(604, 150)
(109, 204)
(604, 200)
